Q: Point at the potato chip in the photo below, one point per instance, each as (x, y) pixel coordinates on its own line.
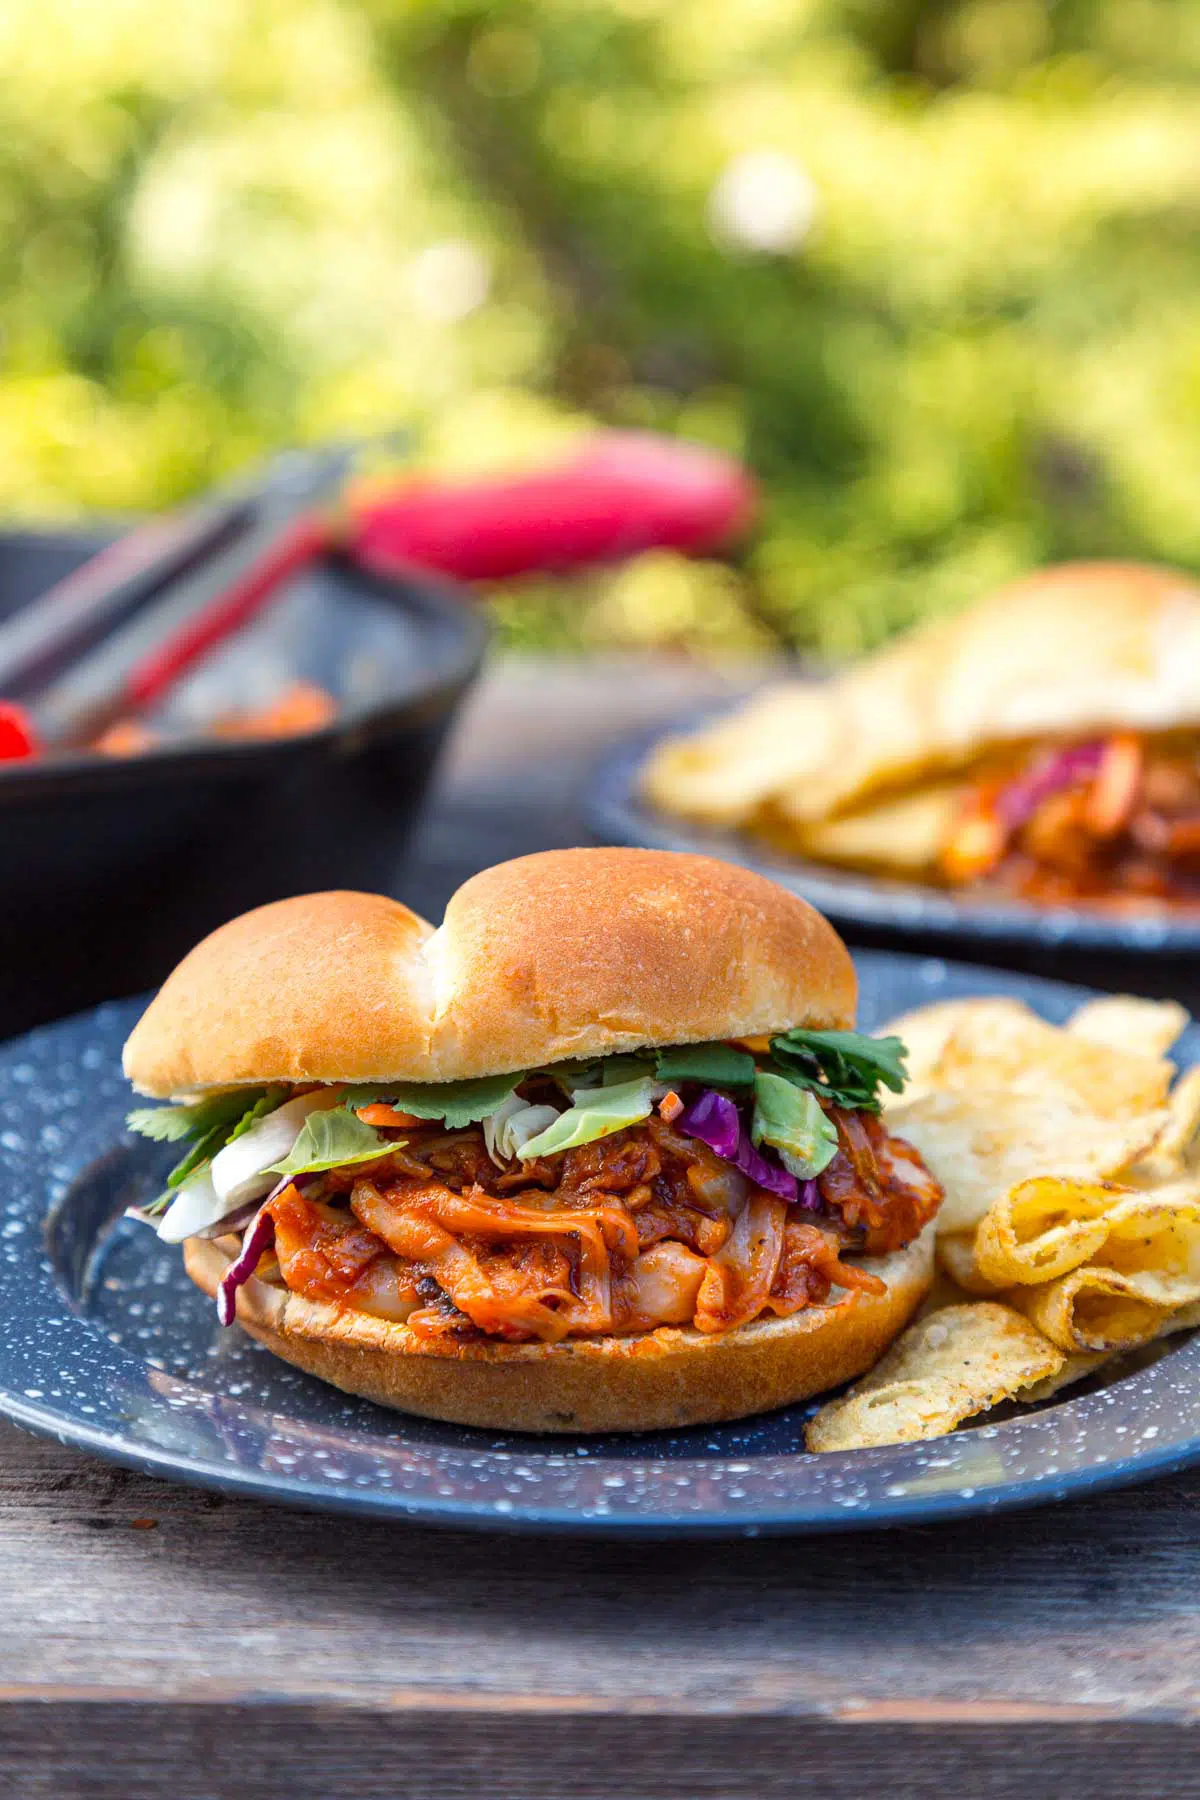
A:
(1096, 1309)
(1148, 1265)
(981, 1141)
(997, 1044)
(878, 731)
(956, 1257)
(1159, 1229)
(1177, 1143)
(1185, 1319)
(942, 1370)
(1077, 1365)
(905, 834)
(1081, 1363)
(924, 1032)
(723, 774)
(1124, 1023)
(905, 1412)
(1042, 1229)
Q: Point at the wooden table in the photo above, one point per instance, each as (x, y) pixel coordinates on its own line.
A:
(160, 1642)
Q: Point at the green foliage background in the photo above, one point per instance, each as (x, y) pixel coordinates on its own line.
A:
(221, 223)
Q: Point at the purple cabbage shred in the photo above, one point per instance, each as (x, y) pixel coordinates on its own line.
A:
(1021, 798)
(714, 1120)
(260, 1235)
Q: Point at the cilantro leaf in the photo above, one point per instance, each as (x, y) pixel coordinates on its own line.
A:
(171, 1124)
(210, 1123)
(459, 1103)
(846, 1067)
(714, 1065)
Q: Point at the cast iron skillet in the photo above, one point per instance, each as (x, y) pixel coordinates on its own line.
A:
(111, 868)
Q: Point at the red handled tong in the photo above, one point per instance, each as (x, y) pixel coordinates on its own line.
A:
(617, 494)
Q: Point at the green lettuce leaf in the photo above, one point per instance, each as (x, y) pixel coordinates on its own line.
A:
(713, 1065)
(596, 1113)
(791, 1119)
(330, 1140)
(846, 1066)
(459, 1103)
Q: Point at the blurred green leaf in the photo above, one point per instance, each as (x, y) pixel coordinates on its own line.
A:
(931, 267)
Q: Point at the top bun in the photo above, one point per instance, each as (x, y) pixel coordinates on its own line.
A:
(568, 953)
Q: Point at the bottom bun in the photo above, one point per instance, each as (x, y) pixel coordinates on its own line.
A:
(672, 1376)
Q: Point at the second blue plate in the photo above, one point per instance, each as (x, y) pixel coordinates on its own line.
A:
(617, 814)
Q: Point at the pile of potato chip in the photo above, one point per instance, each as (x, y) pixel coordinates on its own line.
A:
(1070, 1231)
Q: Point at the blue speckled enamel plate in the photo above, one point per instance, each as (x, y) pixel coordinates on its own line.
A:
(908, 910)
(108, 1346)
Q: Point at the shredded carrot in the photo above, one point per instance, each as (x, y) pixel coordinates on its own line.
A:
(380, 1114)
(670, 1107)
(1118, 782)
(977, 844)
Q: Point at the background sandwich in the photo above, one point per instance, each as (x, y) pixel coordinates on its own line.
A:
(1046, 741)
(601, 1152)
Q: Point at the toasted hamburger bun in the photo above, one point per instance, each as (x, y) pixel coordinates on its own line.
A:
(670, 1377)
(569, 953)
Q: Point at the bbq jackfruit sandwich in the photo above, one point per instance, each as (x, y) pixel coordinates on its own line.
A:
(1044, 743)
(603, 1151)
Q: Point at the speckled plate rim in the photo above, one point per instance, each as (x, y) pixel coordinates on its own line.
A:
(616, 814)
(580, 1521)
(1146, 1424)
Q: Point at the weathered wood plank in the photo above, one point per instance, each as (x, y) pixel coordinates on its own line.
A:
(111, 1751)
(1092, 1606)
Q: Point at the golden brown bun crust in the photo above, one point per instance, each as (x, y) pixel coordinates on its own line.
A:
(322, 979)
(568, 953)
(670, 1377)
(586, 952)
